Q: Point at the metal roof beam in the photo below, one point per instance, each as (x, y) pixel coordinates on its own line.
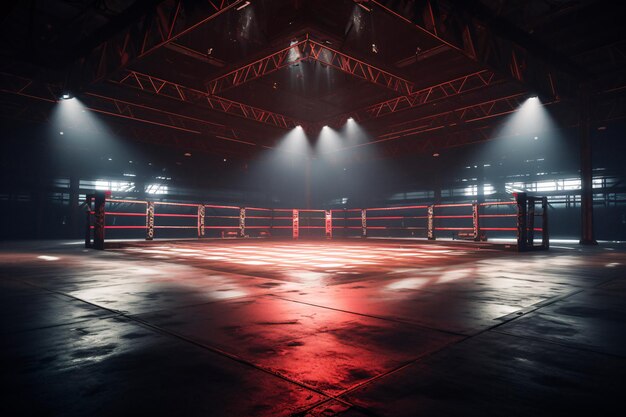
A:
(310, 50)
(166, 22)
(452, 23)
(160, 87)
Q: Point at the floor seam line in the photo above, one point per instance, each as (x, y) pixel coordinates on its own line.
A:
(206, 347)
(371, 316)
(553, 342)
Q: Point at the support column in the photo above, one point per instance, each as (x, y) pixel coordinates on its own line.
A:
(586, 174)
(74, 207)
(88, 204)
(530, 223)
(480, 184)
(307, 182)
(545, 236)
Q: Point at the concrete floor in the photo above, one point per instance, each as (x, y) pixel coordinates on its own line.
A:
(281, 328)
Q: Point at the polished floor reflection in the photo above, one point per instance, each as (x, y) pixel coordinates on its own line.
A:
(310, 328)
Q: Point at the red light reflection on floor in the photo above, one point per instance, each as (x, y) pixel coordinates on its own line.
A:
(322, 257)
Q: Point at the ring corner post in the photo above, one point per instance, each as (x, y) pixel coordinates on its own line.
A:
(530, 223)
(521, 204)
(99, 219)
(88, 217)
(545, 235)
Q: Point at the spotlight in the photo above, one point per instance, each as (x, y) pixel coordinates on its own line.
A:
(66, 96)
(436, 154)
(61, 133)
(350, 119)
(325, 127)
(187, 154)
(246, 4)
(299, 127)
(374, 48)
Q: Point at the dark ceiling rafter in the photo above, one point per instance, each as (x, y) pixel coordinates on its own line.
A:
(452, 24)
(165, 23)
(472, 35)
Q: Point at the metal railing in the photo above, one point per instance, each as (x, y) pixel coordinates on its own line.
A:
(525, 218)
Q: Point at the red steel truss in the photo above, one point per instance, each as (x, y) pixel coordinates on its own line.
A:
(328, 56)
(468, 114)
(310, 50)
(170, 20)
(450, 119)
(259, 68)
(456, 29)
(109, 106)
(179, 92)
(448, 89)
(444, 90)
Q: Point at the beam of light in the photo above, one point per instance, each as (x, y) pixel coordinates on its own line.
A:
(528, 140)
(294, 54)
(81, 137)
(356, 22)
(353, 132)
(279, 171)
(71, 116)
(295, 141)
(247, 27)
(328, 140)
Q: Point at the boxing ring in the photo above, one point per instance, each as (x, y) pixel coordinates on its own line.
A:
(525, 219)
